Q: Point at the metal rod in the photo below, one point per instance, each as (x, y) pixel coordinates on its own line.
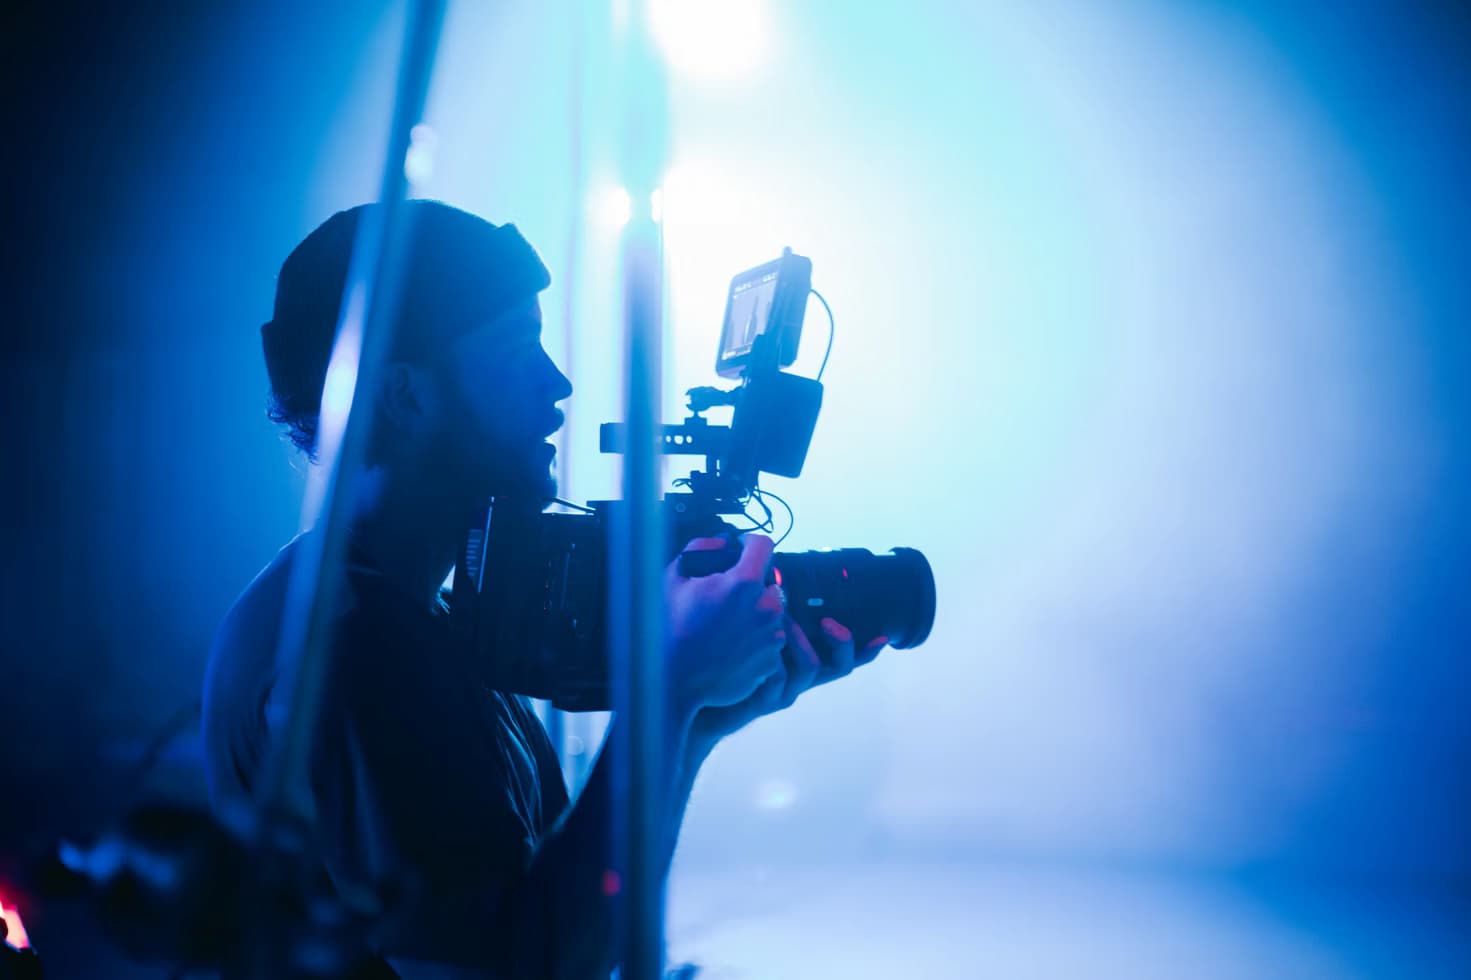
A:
(557, 721)
(638, 552)
(365, 325)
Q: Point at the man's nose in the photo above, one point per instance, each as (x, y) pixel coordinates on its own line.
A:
(559, 385)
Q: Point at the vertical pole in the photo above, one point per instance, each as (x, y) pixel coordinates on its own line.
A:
(364, 336)
(638, 549)
(557, 726)
(639, 555)
(284, 809)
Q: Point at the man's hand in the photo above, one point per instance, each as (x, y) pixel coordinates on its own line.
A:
(725, 630)
(803, 668)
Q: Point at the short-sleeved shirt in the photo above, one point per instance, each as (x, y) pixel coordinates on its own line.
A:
(419, 768)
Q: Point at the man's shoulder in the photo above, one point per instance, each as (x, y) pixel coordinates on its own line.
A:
(243, 667)
(250, 630)
(241, 673)
(253, 623)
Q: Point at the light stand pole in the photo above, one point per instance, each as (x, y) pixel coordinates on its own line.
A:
(637, 538)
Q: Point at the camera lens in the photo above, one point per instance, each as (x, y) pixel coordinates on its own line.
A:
(889, 595)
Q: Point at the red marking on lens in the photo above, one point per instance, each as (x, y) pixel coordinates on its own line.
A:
(777, 572)
(845, 573)
(612, 883)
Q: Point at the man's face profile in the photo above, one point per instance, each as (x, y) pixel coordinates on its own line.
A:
(501, 391)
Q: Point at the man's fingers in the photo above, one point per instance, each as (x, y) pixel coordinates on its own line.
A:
(840, 639)
(768, 616)
(801, 644)
(802, 661)
(770, 602)
(836, 631)
(756, 552)
(871, 650)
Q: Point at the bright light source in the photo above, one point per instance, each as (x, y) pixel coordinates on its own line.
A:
(710, 38)
(419, 161)
(614, 207)
(697, 194)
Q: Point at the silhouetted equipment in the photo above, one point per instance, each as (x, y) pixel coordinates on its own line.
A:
(531, 587)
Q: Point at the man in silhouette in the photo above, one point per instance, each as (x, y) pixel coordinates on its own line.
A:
(421, 773)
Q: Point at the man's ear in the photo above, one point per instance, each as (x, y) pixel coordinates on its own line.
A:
(408, 398)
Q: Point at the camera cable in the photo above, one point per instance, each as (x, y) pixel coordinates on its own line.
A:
(831, 329)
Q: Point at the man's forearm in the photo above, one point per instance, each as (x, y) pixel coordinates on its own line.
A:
(697, 749)
(562, 920)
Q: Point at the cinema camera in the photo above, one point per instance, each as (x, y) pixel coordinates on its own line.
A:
(530, 594)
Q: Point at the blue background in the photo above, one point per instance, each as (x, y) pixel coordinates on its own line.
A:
(1151, 333)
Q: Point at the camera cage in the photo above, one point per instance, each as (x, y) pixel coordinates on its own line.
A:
(775, 413)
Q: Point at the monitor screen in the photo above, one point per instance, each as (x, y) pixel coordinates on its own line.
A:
(748, 314)
(767, 300)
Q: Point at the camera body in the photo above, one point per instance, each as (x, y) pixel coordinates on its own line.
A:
(537, 587)
(530, 591)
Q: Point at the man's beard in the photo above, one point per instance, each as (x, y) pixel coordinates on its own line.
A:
(538, 478)
(484, 467)
(482, 471)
